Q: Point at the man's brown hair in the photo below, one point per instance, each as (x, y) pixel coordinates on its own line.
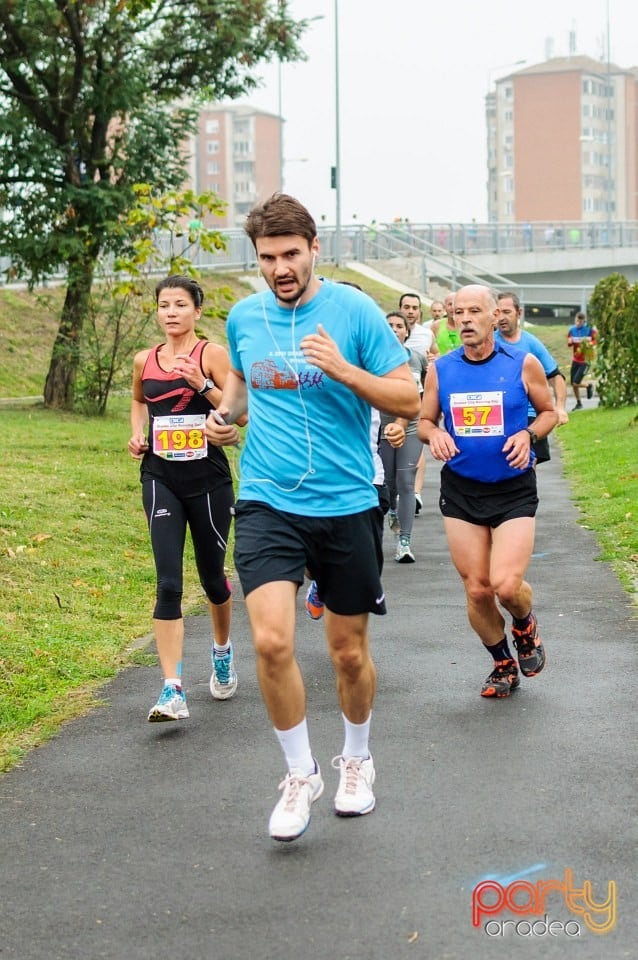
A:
(278, 216)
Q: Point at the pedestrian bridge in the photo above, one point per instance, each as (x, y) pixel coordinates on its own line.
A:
(552, 264)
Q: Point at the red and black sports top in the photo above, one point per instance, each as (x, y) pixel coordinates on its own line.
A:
(169, 394)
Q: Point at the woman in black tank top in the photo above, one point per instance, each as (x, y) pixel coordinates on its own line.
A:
(185, 483)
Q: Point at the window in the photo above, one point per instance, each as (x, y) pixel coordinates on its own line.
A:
(212, 126)
(212, 146)
(212, 166)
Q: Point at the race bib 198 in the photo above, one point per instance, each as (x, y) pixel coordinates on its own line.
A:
(180, 438)
(477, 414)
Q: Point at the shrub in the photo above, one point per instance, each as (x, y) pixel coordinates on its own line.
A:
(613, 309)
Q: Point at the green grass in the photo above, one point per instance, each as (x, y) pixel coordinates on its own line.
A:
(76, 571)
(600, 456)
(29, 323)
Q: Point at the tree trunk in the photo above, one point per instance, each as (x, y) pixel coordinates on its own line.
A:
(59, 386)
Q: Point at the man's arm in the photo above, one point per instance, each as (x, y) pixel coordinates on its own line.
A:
(540, 397)
(233, 407)
(395, 392)
(137, 445)
(442, 446)
(517, 445)
(559, 389)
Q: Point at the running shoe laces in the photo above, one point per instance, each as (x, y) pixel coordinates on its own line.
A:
(171, 705)
(502, 680)
(291, 815)
(354, 796)
(223, 679)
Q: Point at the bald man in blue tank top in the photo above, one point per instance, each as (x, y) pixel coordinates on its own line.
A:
(488, 482)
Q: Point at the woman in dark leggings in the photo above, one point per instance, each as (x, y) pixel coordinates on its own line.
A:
(401, 460)
(185, 482)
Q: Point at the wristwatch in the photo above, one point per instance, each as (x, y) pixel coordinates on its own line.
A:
(533, 436)
(208, 385)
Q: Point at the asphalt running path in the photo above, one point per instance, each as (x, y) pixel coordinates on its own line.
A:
(124, 839)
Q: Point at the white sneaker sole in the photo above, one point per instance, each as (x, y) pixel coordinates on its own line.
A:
(224, 692)
(356, 813)
(157, 715)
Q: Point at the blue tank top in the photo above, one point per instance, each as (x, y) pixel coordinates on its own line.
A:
(484, 402)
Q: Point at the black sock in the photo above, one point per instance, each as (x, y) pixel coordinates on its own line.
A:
(500, 651)
(523, 623)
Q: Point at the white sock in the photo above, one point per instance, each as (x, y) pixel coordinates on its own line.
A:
(356, 738)
(295, 744)
(221, 651)
(173, 682)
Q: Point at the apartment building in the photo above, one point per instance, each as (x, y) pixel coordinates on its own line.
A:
(237, 153)
(562, 142)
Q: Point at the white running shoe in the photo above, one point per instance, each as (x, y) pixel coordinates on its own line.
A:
(354, 795)
(171, 705)
(223, 679)
(404, 553)
(291, 816)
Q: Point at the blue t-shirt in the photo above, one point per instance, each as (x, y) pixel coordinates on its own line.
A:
(307, 447)
(483, 402)
(528, 343)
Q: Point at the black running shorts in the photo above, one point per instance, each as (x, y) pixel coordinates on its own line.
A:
(487, 504)
(343, 554)
(578, 371)
(541, 447)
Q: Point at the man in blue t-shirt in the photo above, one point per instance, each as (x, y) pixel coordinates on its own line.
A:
(510, 314)
(308, 360)
(488, 482)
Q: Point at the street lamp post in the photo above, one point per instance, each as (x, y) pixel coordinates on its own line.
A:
(609, 191)
(337, 175)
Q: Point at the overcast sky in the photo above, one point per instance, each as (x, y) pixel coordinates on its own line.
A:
(413, 78)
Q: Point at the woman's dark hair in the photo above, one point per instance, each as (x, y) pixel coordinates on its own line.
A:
(396, 313)
(191, 287)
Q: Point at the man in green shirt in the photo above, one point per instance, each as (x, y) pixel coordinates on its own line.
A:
(447, 336)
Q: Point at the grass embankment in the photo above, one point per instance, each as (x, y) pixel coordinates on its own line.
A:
(76, 573)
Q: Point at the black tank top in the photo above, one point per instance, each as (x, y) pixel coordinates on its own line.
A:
(168, 394)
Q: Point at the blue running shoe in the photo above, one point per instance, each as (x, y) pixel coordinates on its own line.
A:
(314, 603)
(170, 706)
(223, 679)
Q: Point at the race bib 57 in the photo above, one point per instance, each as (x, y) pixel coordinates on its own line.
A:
(478, 414)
